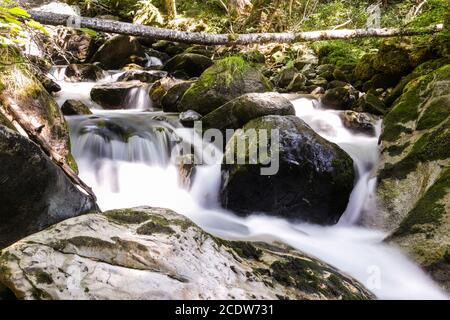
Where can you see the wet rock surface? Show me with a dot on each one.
(151, 253)
(313, 182)
(34, 193)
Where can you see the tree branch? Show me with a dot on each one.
(225, 39)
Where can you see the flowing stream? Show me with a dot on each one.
(128, 158)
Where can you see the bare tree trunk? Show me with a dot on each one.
(224, 39)
(171, 7)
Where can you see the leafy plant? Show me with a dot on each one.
(13, 22)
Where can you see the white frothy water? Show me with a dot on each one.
(128, 165)
(137, 99)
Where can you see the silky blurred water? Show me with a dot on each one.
(129, 159)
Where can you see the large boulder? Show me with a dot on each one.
(121, 95)
(150, 254)
(285, 77)
(160, 89)
(24, 99)
(238, 112)
(172, 97)
(118, 52)
(227, 79)
(314, 178)
(34, 193)
(392, 59)
(84, 73)
(414, 172)
(340, 98)
(190, 63)
(371, 104)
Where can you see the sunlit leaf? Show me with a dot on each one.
(19, 12)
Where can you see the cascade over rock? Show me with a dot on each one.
(121, 95)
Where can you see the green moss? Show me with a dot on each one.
(338, 288)
(344, 167)
(156, 225)
(339, 53)
(447, 255)
(246, 250)
(298, 273)
(395, 150)
(85, 241)
(406, 109)
(421, 70)
(127, 216)
(437, 110)
(429, 209)
(72, 162)
(183, 224)
(432, 146)
(43, 277)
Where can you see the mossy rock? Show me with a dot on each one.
(191, 63)
(118, 52)
(415, 98)
(75, 107)
(392, 59)
(84, 73)
(414, 171)
(150, 76)
(227, 79)
(313, 181)
(340, 98)
(365, 70)
(371, 104)
(237, 112)
(36, 105)
(172, 97)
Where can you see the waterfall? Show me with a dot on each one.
(128, 158)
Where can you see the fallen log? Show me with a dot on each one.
(221, 39)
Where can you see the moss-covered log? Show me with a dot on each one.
(222, 39)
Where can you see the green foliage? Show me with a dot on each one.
(121, 8)
(339, 52)
(13, 21)
(329, 14)
(148, 13)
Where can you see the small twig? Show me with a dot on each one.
(342, 24)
